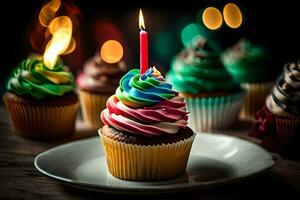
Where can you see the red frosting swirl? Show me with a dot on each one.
(166, 117)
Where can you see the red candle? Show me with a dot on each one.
(143, 45)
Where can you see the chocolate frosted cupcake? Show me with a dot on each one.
(212, 96)
(145, 136)
(40, 101)
(96, 83)
(249, 65)
(278, 123)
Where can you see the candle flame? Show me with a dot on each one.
(111, 51)
(61, 30)
(141, 20)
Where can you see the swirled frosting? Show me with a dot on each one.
(100, 77)
(145, 104)
(285, 98)
(198, 69)
(247, 62)
(144, 90)
(31, 78)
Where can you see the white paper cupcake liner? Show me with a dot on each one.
(214, 113)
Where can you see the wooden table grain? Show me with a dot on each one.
(20, 180)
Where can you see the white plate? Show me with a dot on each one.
(215, 159)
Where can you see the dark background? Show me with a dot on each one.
(269, 23)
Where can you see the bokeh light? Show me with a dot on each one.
(212, 18)
(52, 17)
(48, 12)
(111, 51)
(71, 47)
(60, 41)
(232, 15)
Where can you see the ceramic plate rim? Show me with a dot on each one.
(147, 188)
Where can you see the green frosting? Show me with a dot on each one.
(31, 78)
(247, 62)
(198, 69)
(140, 90)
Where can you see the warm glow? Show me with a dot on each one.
(60, 41)
(232, 15)
(141, 20)
(71, 47)
(212, 18)
(48, 12)
(111, 51)
(59, 23)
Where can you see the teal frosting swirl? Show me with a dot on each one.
(247, 62)
(140, 90)
(31, 78)
(198, 69)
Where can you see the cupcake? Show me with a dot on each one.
(41, 101)
(249, 65)
(212, 96)
(145, 136)
(278, 122)
(96, 83)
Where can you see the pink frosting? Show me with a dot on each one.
(166, 117)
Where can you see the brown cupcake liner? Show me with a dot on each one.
(91, 107)
(288, 134)
(151, 162)
(38, 121)
(256, 94)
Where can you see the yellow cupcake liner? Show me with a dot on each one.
(151, 162)
(91, 107)
(256, 94)
(41, 122)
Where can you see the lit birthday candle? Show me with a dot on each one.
(143, 45)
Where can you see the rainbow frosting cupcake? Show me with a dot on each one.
(41, 101)
(96, 83)
(278, 122)
(212, 96)
(145, 135)
(249, 64)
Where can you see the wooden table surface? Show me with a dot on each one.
(20, 180)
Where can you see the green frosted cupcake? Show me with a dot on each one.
(212, 96)
(248, 64)
(41, 101)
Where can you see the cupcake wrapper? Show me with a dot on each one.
(288, 136)
(91, 107)
(215, 113)
(140, 162)
(256, 94)
(42, 122)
